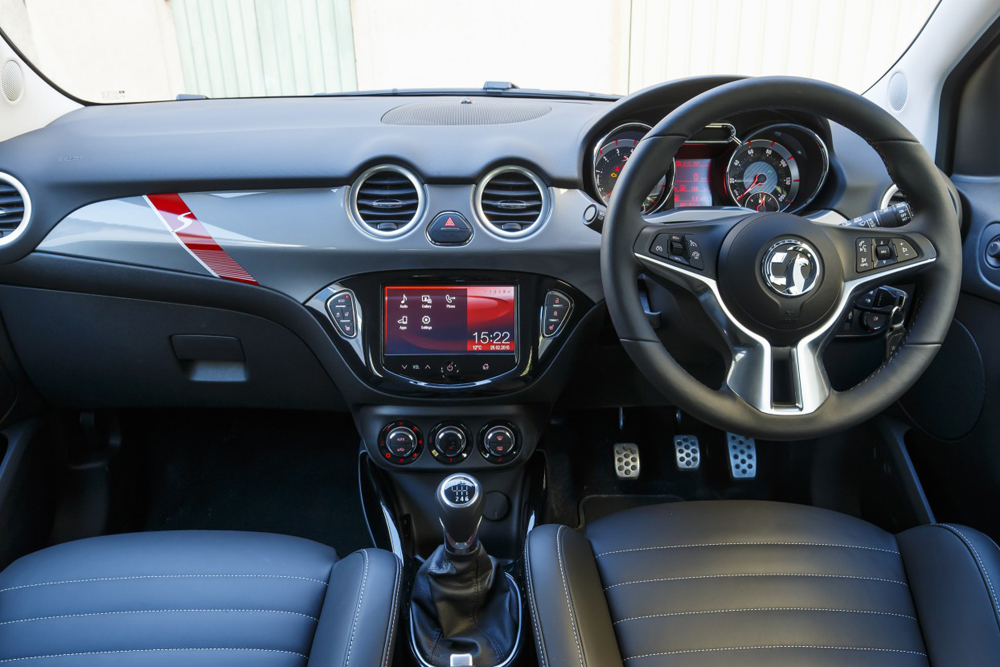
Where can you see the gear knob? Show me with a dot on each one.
(461, 499)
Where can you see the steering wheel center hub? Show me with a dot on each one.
(791, 268)
(780, 275)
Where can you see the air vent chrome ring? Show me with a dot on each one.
(369, 227)
(529, 227)
(22, 225)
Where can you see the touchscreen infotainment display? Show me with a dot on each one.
(451, 320)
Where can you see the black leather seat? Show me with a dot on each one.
(756, 583)
(198, 598)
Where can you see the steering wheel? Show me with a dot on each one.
(775, 285)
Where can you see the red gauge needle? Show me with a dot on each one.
(752, 186)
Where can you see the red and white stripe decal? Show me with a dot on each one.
(191, 234)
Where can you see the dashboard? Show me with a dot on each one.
(412, 259)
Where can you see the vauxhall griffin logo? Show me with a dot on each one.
(791, 267)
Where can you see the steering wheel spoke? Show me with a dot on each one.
(686, 250)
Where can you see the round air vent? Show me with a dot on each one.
(512, 202)
(15, 208)
(386, 200)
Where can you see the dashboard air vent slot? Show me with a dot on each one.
(512, 201)
(387, 200)
(15, 208)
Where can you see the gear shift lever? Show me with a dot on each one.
(461, 499)
(464, 610)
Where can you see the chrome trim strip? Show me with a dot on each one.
(887, 197)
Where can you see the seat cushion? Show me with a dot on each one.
(756, 583)
(198, 598)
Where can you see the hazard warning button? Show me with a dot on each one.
(449, 228)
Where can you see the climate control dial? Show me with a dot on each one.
(450, 442)
(400, 442)
(499, 442)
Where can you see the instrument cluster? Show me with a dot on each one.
(776, 167)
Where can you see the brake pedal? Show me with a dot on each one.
(743, 463)
(687, 452)
(627, 460)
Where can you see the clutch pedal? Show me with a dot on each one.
(627, 460)
(687, 452)
(743, 463)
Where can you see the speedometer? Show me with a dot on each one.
(763, 175)
(610, 157)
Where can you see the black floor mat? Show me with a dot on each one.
(289, 473)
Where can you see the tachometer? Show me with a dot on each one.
(610, 157)
(763, 175)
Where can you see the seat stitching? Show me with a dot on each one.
(569, 603)
(149, 650)
(393, 613)
(761, 574)
(357, 609)
(982, 566)
(535, 620)
(759, 648)
(157, 611)
(748, 544)
(162, 576)
(754, 609)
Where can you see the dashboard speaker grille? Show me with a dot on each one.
(898, 90)
(467, 111)
(386, 200)
(15, 208)
(12, 81)
(512, 201)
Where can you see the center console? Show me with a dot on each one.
(456, 364)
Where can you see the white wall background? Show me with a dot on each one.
(128, 50)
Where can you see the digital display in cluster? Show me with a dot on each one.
(691, 182)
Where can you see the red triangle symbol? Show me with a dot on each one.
(449, 223)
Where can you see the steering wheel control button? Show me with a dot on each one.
(876, 253)
(342, 307)
(450, 442)
(865, 262)
(742, 456)
(687, 452)
(555, 312)
(681, 248)
(791, 268)
(626, 458)
(400, 442)
(449, 228)
(499, 442)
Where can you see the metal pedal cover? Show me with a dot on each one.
(687, 451)
(742, 456)
(627, 460)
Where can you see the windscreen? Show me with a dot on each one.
(137, 50)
